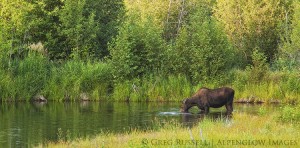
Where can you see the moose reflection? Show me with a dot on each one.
(188, 119)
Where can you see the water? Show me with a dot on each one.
(27, 124)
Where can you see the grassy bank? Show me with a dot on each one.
(37, 75)
(277, 86)
(243, 130)
(70, 80)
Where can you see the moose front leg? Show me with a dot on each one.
(206, 109)
(201, 109)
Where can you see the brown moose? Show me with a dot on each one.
(206, 98)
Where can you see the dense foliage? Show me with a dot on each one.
(63, 48)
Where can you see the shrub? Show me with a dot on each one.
(258, 71)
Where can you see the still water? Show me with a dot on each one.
(28, 124)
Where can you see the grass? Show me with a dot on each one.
(153, 88)
(36, 75)
(243, 130)
(290, 114)
(277, 85)
(75, 77)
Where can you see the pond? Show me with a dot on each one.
(28, 124)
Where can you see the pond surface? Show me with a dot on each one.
(28, 124)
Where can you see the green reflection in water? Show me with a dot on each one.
(27, 124)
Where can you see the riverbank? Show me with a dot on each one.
(74, 80)
(243, 130)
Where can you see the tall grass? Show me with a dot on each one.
(36, 75)
(153, 88)
(7, 88)
(22, 79)
(69, 80)
(277, 85)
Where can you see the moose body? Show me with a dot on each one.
(206, 98)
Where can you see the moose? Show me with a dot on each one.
(205, 98)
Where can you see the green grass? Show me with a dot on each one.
(37, 75)
(24, 78)
(278, 85)
(75, 77)
(243, 130)
(153, 88)
(290, 114)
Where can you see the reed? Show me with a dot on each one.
(24, 78)
(73, 78)
(153, 88)
(36, 75)
(277, 86)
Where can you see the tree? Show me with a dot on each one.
(290, 51)
(77, 31)
(44, 22)
(252, 24)
(14, 28)
(109, 14)
(202, 50)
(82, 26)
(138, 48)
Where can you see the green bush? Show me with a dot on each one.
(259, 69)
(201, 50)
(137, 50)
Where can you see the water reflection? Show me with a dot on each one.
(27, 124)
(192, 119)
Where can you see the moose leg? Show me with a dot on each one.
(201, 109)
(206, 109)
(229, 108)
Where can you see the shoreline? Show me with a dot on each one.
(221, 133)
(238, 101)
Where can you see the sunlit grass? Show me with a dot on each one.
(243, 130)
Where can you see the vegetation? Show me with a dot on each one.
(260, 131)
(133, 50)
(255, 24)
(126, 50)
